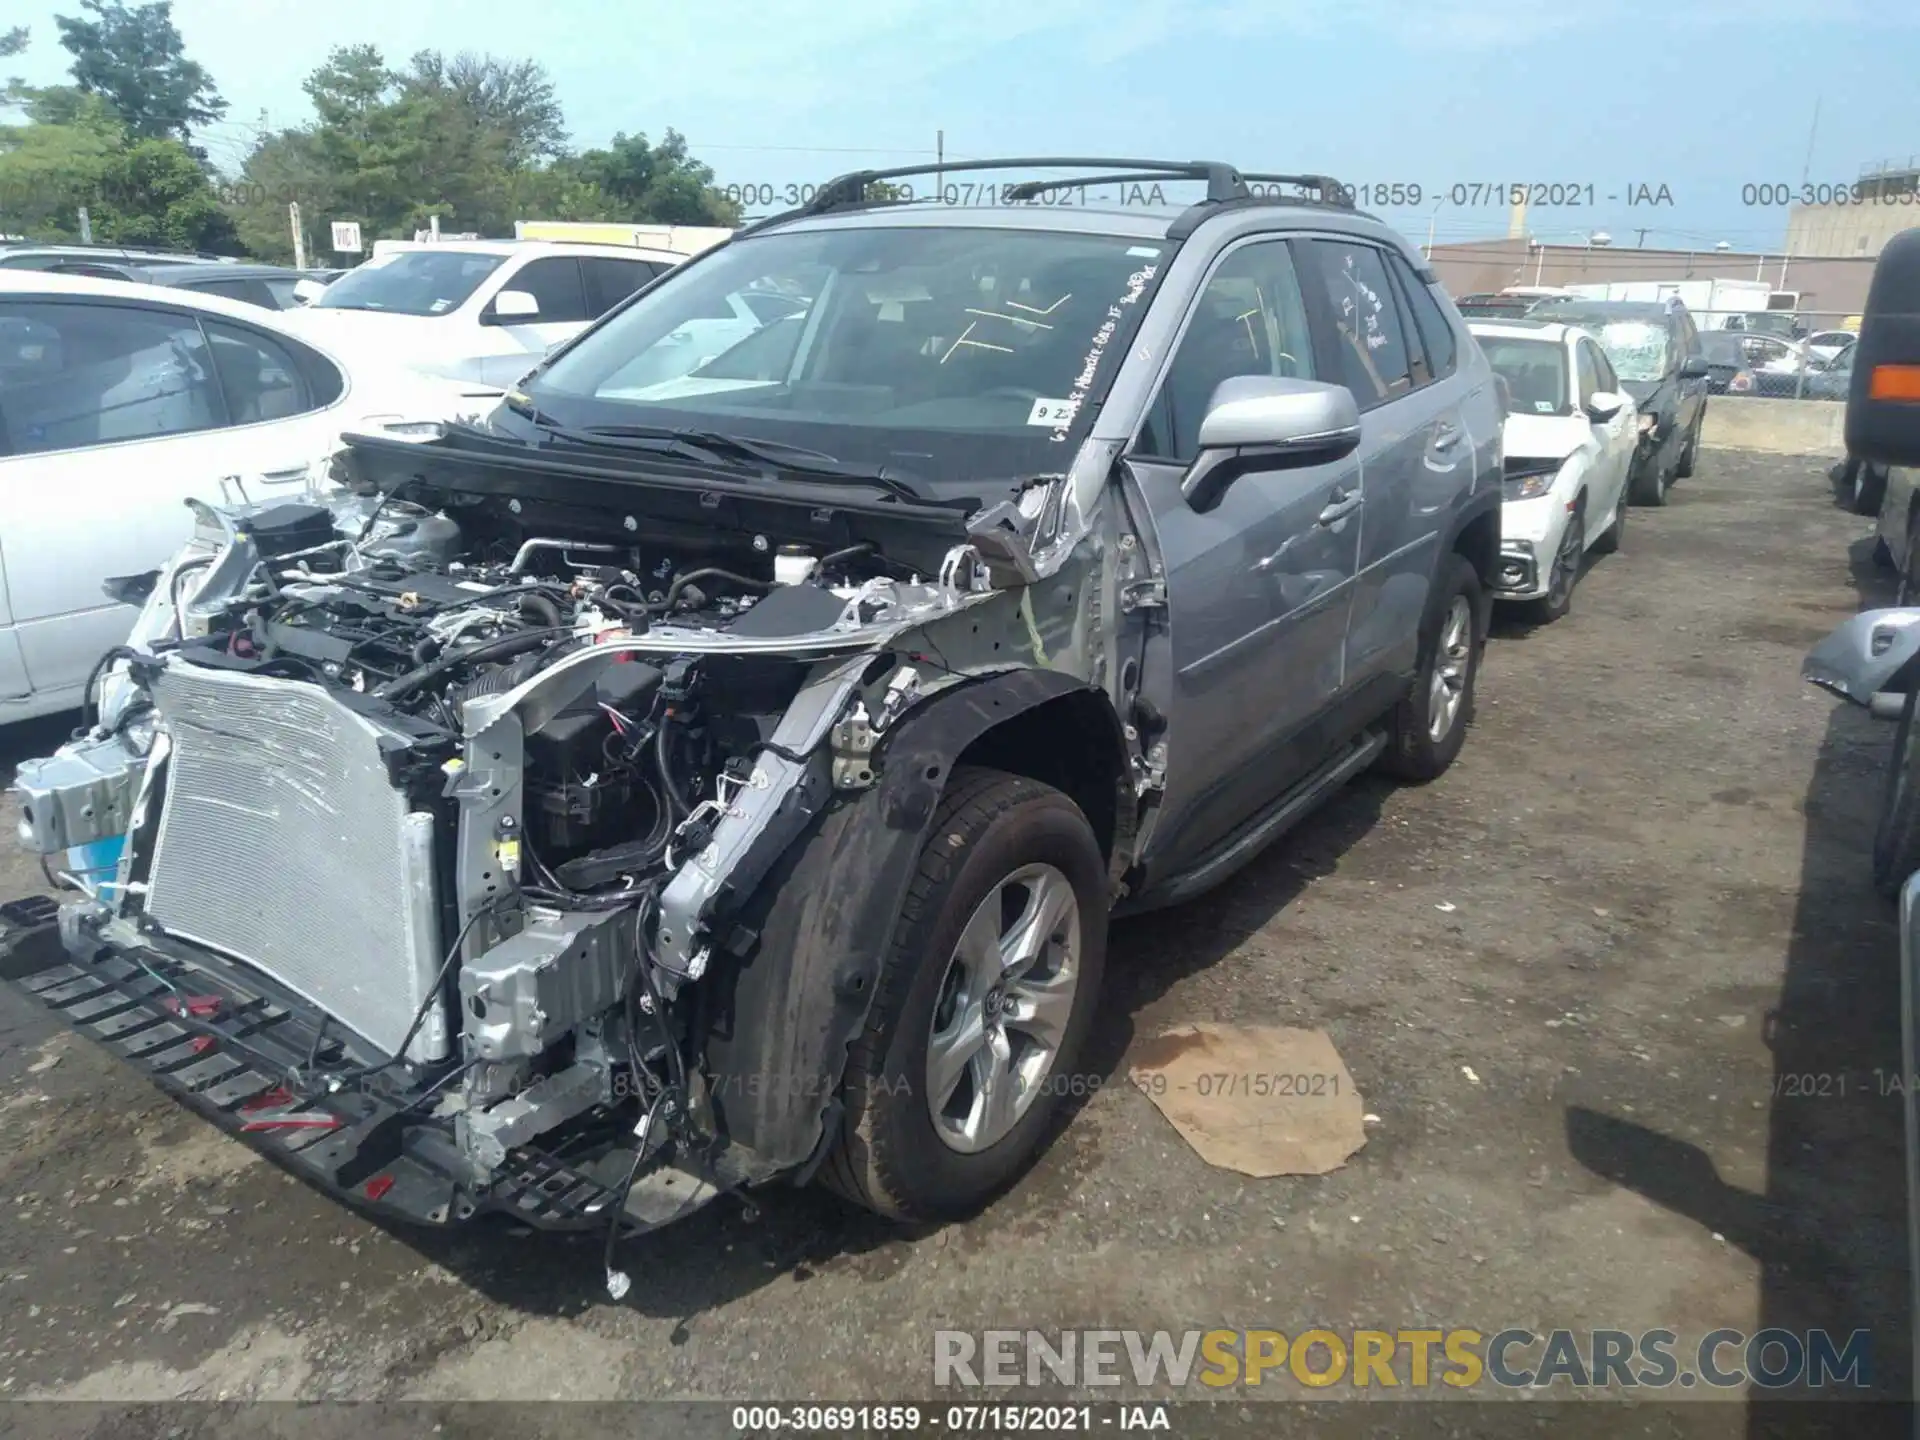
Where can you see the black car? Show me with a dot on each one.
(1656, 352)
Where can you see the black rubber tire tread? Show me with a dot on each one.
(1648, 486)
(860, 1167)
(1684, 469)
(1411, 753)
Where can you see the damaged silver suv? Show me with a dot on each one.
(718, 766)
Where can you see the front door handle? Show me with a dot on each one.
(1446, 437)
(1340, 504)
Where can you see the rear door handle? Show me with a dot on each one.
(1446, 437)
(1341, 504)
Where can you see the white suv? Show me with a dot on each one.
(482, 311)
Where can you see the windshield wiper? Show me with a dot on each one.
(733, 451)
(788, 460)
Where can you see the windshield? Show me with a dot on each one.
(954, 354)
(411, 282)
(1637, 348)
(1535, 372)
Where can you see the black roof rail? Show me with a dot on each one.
(1321, 190)
(849, 191)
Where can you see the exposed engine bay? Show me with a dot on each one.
(444, 821)
(471, 801)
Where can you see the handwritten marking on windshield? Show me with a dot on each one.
(973, 344)
(1036, 310)
(1012, 319)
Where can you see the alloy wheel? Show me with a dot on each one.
(1452, 657)
(1003, 1008)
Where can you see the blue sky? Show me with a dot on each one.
(1701, 96)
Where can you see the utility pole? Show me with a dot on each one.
(939, 165)
(299, 240)
(1806, 170)
(1641, 243)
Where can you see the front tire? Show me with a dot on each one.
(1896, 839)
(983, 1007)
(1650, 481)
(1430, 725)
(1565, 572)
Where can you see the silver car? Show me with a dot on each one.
(694, 779)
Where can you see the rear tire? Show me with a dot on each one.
(1867, 488)
(1691, 455)
(1452, 639)
(895, 1155)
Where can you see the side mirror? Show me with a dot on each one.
(1269, 422)
(511, 305)
(306, 290)
(1883, 400)
(1695, 368)
(1604, 405)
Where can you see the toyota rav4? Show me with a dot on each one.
(719, 765)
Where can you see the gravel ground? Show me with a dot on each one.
(1636, 911)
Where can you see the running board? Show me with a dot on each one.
(1286, 812)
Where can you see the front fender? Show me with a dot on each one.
(793, 984)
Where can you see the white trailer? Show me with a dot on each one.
(1711, 302)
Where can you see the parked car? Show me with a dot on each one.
(1569, 438)
(30, 255)
(120, 402)
(1056, 561)
(1656, 352)
(481, 311)
(1832, 380)
(1827, 344)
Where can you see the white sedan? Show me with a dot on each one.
(119, 403)
(1569, 439)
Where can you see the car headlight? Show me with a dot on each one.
(1529, 479)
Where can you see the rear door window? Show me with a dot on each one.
(610, 280)
(1368, 342)
(94, 374)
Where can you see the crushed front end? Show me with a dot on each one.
(421, 841)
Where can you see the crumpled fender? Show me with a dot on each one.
(1867, 654)
(792, 985)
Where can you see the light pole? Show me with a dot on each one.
(1431, 221)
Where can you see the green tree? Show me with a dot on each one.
(13, 41)
(133, 57)
(658, 184)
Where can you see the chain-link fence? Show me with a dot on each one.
(1778, 354)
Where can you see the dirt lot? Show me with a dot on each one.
(1636, 911)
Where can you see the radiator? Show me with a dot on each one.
(282, 844)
